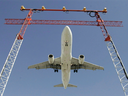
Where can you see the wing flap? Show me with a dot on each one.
(91, 66)
(42, 65)
(85, 65)
(45, 65)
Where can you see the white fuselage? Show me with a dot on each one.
(66, 55)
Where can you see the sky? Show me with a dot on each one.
(42, 40)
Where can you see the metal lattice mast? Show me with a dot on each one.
(9, 63)
(118, 64)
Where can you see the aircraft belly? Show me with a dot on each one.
(65, 62)
(65, 68)
(65, 77)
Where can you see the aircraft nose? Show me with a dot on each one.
(67, 31)
(66, 27)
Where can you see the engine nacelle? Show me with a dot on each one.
(50, 59)
(81, 59)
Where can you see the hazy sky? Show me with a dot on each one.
(42, 40)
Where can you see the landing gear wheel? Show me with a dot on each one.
(75, 71)
(55, 70)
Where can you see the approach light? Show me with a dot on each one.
(84, 9)
(43, 8)
(63, 8)
(22, 7)
(105, 9)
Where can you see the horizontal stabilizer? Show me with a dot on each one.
(70, 85)
(61, 85)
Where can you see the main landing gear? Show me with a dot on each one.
(75, 70)
(56, 70)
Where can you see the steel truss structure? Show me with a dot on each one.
(64, 22)
(9, 63)
(7, 68)
(118, 64)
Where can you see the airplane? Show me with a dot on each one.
(66, 62)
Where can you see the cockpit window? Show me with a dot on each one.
(66, 43)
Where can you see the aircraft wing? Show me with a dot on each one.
(85, 65)
(45, 65)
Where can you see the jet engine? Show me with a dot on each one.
(50, 59)
(81, 59)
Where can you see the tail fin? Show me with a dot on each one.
(61, 85)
